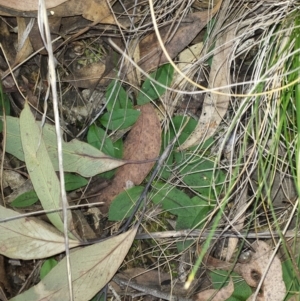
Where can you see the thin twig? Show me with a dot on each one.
(150, 291)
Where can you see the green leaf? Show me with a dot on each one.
(79, 157)
(96, 136)
(117, 97)
(40, 168)
(4, 105)
(178, 122)
(123, 204)
(73, 182)
(150, 90)
(173, 200)
(242, 290)
(119, 119)
(290, 278)
(198, 218)
(47, 266)
(25, 199)
(200, 175)
(195, 221)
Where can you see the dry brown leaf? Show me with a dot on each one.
(150, 51)
(273, 288)
(142, 143)
(215, 105)
(94, 10)
(28, 5)
(218, 295)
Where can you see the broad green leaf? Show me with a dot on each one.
(123, 204)
(92, 268)
(199, 175)
(47, 266)
(178, 122)
(40, 168)
(119, 119)
(25, 199)
(196, 220)
(96, 136)
(117, 97)
(79, 157)
(242, 290)
(28, 237)
(173, 200)
(150, 90)
(73, 182)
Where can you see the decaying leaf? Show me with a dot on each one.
(273, 288)
(216, 295)
(27, 5)
(215, 105)
(142, 143)
(28, 237)
(94, 10)
(150, 51)
(79, 157)
(91, 268)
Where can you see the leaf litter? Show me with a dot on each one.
(212, 116)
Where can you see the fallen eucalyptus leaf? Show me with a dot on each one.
(91, 269)
(79, 157)
(40, 168)
(28, 237)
